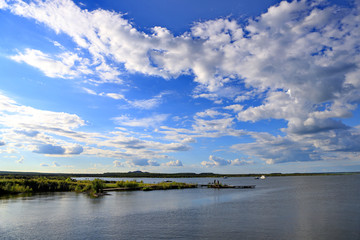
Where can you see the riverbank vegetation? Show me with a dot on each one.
(135, 185)
(95, 187)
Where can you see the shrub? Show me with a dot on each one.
(97, 185)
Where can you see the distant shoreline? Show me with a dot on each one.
(139, 174)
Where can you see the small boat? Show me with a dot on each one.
(262, 177)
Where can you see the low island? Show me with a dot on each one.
(95, 188)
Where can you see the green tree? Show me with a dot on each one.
(97, 185)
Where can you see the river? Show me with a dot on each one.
(297, 207)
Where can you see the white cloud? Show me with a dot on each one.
(117, 163)
(144, 162)
(153, 121)
(49, 149)
(218, 162)
(3, 4)
(211, 113)
(56, 134)
(148, 103)
(115, 96)
(175, 163)
(19, 116)
(264, 53)
(55, 164)
(76, 149)
(89, 91)
(239, 162)
(215, 161)
(234, 107)
(21, 160)
(300, 59)
(65, 65)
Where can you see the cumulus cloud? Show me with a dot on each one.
(28, 133)
(240, 162)
(234, 107)
(214, 161)
(3, 4)
(319, 40)
(153, 163)
(49, 149)
(300, 59)
(144, 162)
(278, 150)
(175, 163)
(218, 162)
(211, 113)
(77, 149)
(308, 147)
(117, 163)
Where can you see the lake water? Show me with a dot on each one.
(312, 207)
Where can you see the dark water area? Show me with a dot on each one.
(310, 207)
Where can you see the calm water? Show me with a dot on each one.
(320, 207)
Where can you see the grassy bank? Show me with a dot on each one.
(42, 184)
(135, 185)
(94, 188)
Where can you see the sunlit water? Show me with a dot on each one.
(319, 207)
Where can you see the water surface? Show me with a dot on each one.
(311, 207)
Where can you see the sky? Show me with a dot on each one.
(231, 86)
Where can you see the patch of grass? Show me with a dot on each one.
(134, 185)
(42, 184)
(94, 188)
(129, 184)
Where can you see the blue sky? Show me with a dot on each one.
(179, 86)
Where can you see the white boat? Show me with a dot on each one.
(262, 177)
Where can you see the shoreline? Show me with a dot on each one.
(139, 174)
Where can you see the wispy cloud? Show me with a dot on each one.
(148, 103)
(55, 164)
(20, 160)
(116, 96)
(219, 162)
(153, 121)
(64, 65)
(56, 134)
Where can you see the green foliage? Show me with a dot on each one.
(97, 185)
(70, 180)
(43, 184)
(129, 184)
